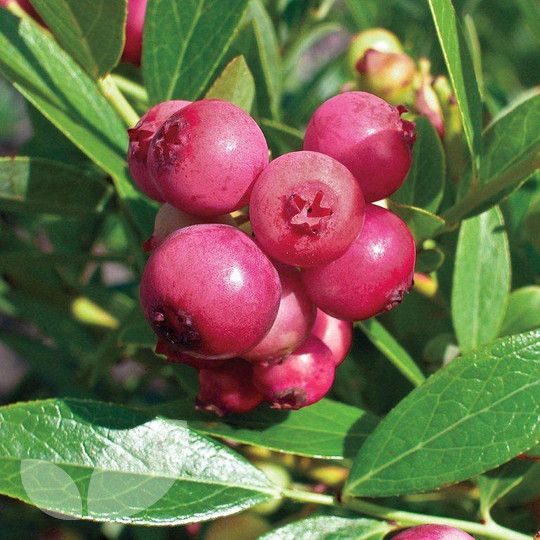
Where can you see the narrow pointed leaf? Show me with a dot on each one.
(387, 344)
(460, 68)
(523, 311)
(471, 416)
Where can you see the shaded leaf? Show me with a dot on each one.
(281, 138)
(523, 311)
(91, 31)
(424, 185)
(41, 185)
(185, 43)
(327, 429)
(387, 344)
(423, 224)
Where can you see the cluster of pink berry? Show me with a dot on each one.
(269, 317)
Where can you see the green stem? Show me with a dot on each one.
(120, 104)
(406, 519)
(130, 88)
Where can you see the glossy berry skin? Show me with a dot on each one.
(368, 136)
(134, 31)
(139, 142)
(170, 219)
(336, 334)
(372, 276)
(294, 320)
(228, 389)
(433, 532)
(306, 209)
(206, 157)
(209, 291)
(300, 379)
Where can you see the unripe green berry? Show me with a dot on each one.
(378, 39)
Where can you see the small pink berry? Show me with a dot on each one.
(205, 158)
(293, 322)
(368, 136)
(300, 379)
(136, 11)
(228, 389)
(170, 219)
(139, 142)
(306, 209)
(372, 276)
(336, 334)
(208, 290)
(433, 532)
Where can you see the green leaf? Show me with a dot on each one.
(104, 462)
(471, 416)
(424, 185)
(327, 429)
(68, 98)
(523, 311)
(184, 44)
(235, 84)
(481, 281)
(422, 223)
(281, 138)
(91, 31)
(429, 260)
(460, 68)
(266, 61)
(507, 160)
(40, 185)
(330, 528)
(387, 344)
(494, 485)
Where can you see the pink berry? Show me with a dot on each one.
(208, 290)
(293, 322)
(306, 209)
(433, 532)
(372, 276)
(205, 158)
(336, 334)
(302, 378)
(368, 136)
(170, 219)
(228, 389)
(139, 142)
(134, 31)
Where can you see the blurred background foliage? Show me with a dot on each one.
(70, 325)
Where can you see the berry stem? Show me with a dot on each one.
(120, 104)
(406, 519)
(130, 88)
